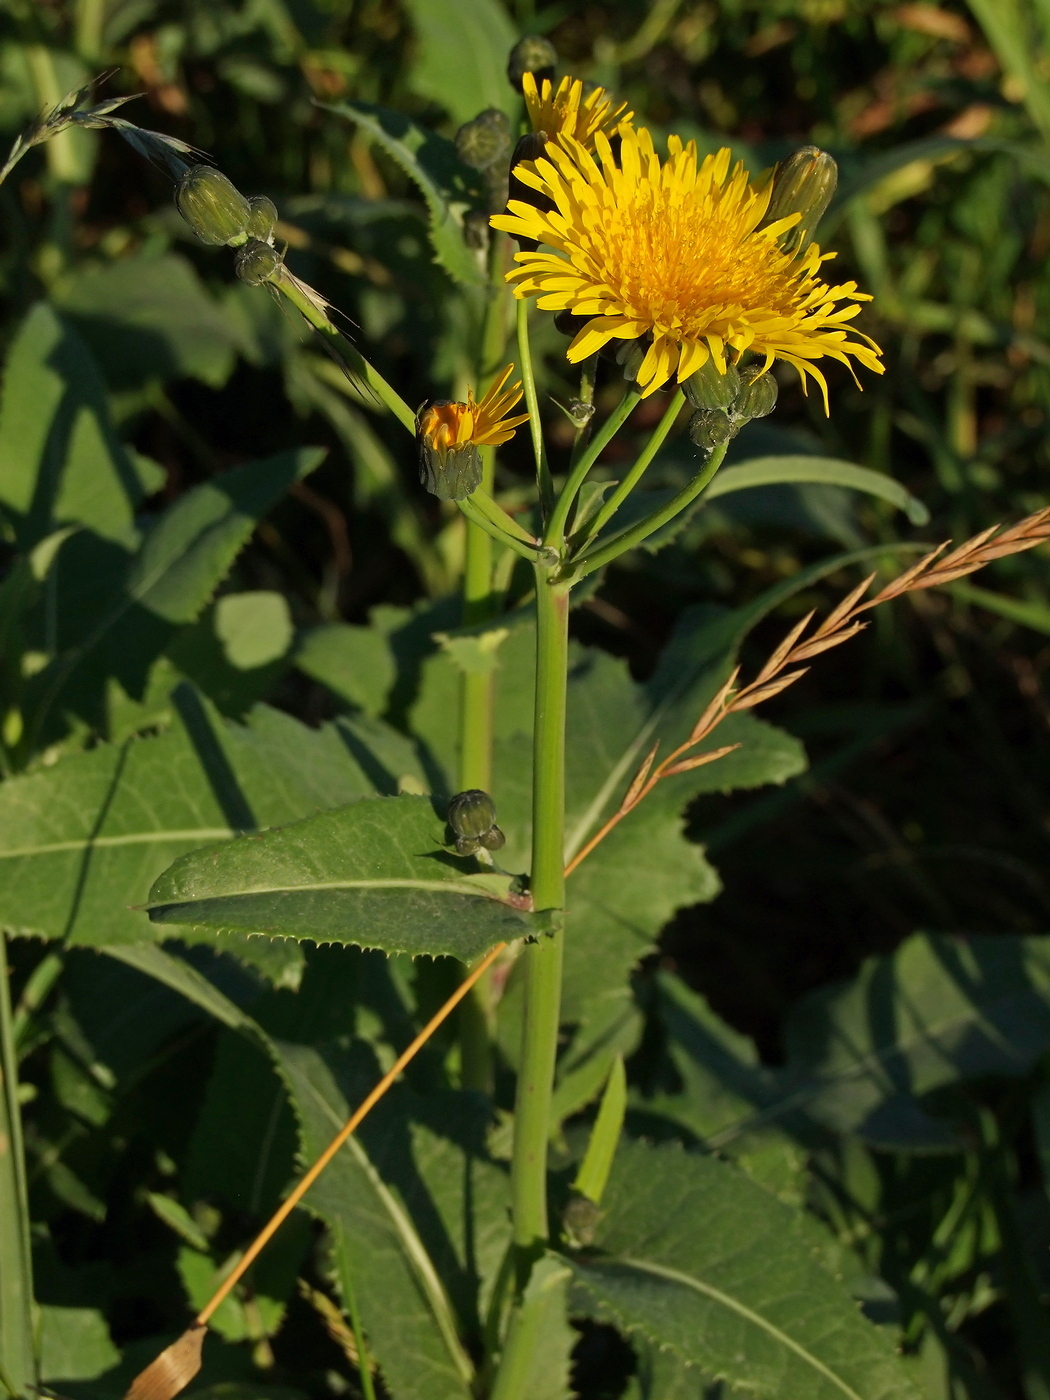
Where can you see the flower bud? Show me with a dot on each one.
(568, 323)
(452, 473)
(262, 220)
(257, 262)
(803, 184)
(530, 147)
(580, 1221)
(758, 395)
(485, 141)
(629, 357)
(709, 388)
(535, 55)
(213, 207)
(711, 428)
(472, 817)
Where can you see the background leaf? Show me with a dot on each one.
(735, 1291)
(461, 59)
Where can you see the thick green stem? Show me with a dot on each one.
(314, 312)
(528, 381)
(555, 535)
(627, 539)
(477, 516)
(17, 1354)
(631, 480)
(543, 959)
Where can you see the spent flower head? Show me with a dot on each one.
(674, 254)
(565, 110)
(450, 434)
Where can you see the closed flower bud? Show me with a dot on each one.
(530, 147)
(709, 388)
(803, 184)
(710, 428)
(758, 395)
(213, 207)
(262, 219)
(472, 813)
(472, 817)
(257, 262)
(535, 55)
(485, 141)
(569, 323)
(629, 356)
(452, 473)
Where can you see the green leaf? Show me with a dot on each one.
(82, 841)
(405, 1304)
(709, 1266)
(355, 663)
(593, 1175)
(75, 1344)
(237, 651)
(446, 184)
(17, 1356)
(374, 873)
(166, 583)
(937, 1011)
(822, 471)
(150, 318)
(60, 459)
(461, 58)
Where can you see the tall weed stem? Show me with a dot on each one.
(542, 959)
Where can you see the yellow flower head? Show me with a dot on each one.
(673, 251)
(443, 425)
(564, 111)
(450, 434)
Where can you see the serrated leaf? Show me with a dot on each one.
(150, 318)
(461, 62)
(446, 184)
(60, 459)
(121, 622)
(937, 1011)
(407, 1313)
(821, 471)
(374, 874)
(704, 1263)
(81, 842)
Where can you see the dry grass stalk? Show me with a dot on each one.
(844, 622)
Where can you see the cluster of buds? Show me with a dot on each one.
(484, 145)
(725, 402)
(472, 818)
(220, 215)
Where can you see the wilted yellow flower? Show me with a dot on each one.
(450, 434)
(564, 111)
(673, 252)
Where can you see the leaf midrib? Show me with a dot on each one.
(130, 838)
(394, 883)
(741, 1309)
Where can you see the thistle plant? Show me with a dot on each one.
(675, 276)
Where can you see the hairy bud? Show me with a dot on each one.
(472, 817)
(535, 55)
(485, 141)
(710, 428)
(709, 388)
(758, 395)
(803, 184)
(262, 220)
(257, 262)
(213, 207)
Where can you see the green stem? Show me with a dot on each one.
(292, 289)
(627, 539)
(631, 480)
(528, 380)
(542, 959)
(588, 374)
(555, 535)
(500, 518)
(477, 516)
(16, 1268)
